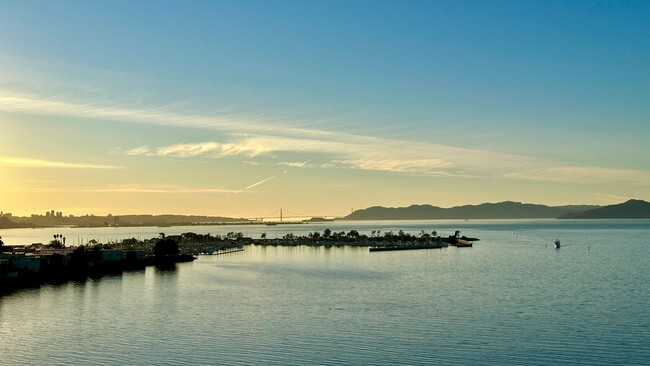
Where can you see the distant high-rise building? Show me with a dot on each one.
(52, 213)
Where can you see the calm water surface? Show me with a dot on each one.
(511, 299)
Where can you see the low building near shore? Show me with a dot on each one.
(112, 256)
(31, 263)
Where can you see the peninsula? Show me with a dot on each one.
(632, 209)
(33, 265)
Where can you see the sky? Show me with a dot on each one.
(240, 108)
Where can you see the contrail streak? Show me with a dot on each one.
(258, 183)
(255, 184)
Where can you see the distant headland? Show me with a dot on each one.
(632, 209)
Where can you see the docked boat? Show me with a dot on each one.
(460, 243)
(317, 220)
(557, 243)
(386, 248)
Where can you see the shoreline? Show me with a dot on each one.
(25, 266)
(59, 275)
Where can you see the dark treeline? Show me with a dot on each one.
(353, 237)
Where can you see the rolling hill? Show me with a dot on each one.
(632, 209)
(501, 210)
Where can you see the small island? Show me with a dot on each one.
(376, 241)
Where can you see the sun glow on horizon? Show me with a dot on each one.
(393, 113)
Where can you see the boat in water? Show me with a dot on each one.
(557, 243)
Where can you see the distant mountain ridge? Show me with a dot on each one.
(501, 210)
(632, 209)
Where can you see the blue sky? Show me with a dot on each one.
(359, 102)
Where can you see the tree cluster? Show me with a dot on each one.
(353, 236)
(165, 248)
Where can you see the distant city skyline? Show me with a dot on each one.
(239, 108)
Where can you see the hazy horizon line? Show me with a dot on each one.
(321, 215)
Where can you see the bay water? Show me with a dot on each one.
(510, 299)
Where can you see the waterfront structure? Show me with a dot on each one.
(30, 263)
(112, 256)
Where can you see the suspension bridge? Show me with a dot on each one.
(283, 215)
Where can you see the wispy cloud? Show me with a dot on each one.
(578, 174)
(252, 137)
(160, 190)
(140, 150)
(370, 153)
(10, 102)
(213, 149)
(423, 166)
(129, 189)
(296, 164)
(42, 163)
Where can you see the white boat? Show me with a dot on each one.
(557, 243)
